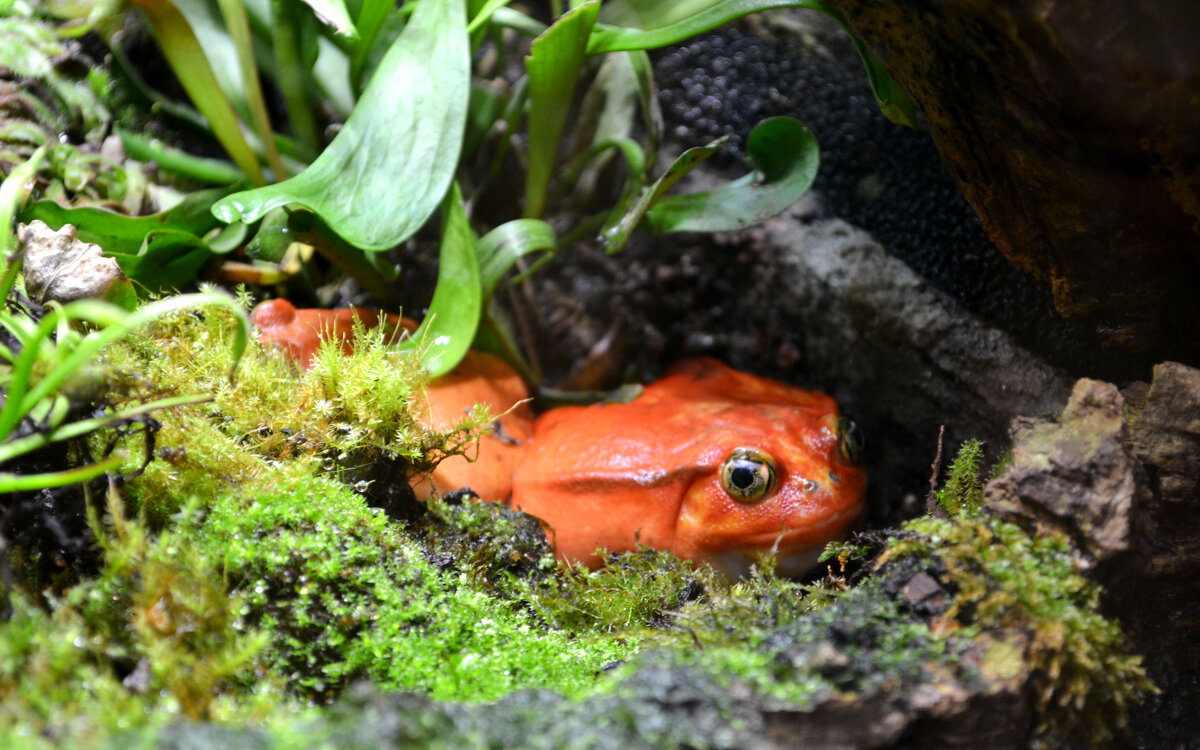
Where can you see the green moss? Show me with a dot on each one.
(343, 593)
(1007, 581)
(151, 639)
(355, 416)
(962, 494)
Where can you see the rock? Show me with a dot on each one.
(901, 357)
(1166, 436)
(1155, 594)
(1070, 127)
(1073, 474)
(60, 267)
(1123, 481)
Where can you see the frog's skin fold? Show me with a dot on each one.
(650, 471)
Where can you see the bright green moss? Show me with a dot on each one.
(343, 593)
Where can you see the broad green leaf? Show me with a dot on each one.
(553, 67)
(160, 252)
(390, 165)
(117, 233)
(893, 102)
(787, 158)
(627, 215)
(165, 261)
(500, 248)
(449, 327)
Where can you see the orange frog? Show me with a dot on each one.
(708, 462)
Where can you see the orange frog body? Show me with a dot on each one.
(300, 331)
(708, 462)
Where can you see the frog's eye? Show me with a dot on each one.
(748, 475)
(850, 441)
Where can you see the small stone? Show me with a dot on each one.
(59, 267)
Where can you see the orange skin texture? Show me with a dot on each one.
(299, 332)
(648, 471)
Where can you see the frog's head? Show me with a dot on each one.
(783, 480)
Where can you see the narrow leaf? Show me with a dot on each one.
(787, 158)
(503, 246)
(449, 327)
(333, 13)
(616, 232)
(187, 59)
(553, 68)
(615, 38)
(388, 168)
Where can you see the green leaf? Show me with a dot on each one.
(892, 100)
(168, 159)
(160, 252)
(449, 327)
(615, 39)
(787, 158)
(503, 246)
(165, 261)
(333, 13)
(553, 67)
(120, 234)
(388, 168)
(186, 57)
(14, 191)
(485, 13)
(625, 218)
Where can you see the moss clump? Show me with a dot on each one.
(149, 640)
(357, 415)
(343, 593)
(1005, 580)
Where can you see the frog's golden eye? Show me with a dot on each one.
(850, 441)
(748, 475)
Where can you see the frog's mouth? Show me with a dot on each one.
(796, 550)
(736, 563)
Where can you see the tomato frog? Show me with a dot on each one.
(708, 462)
